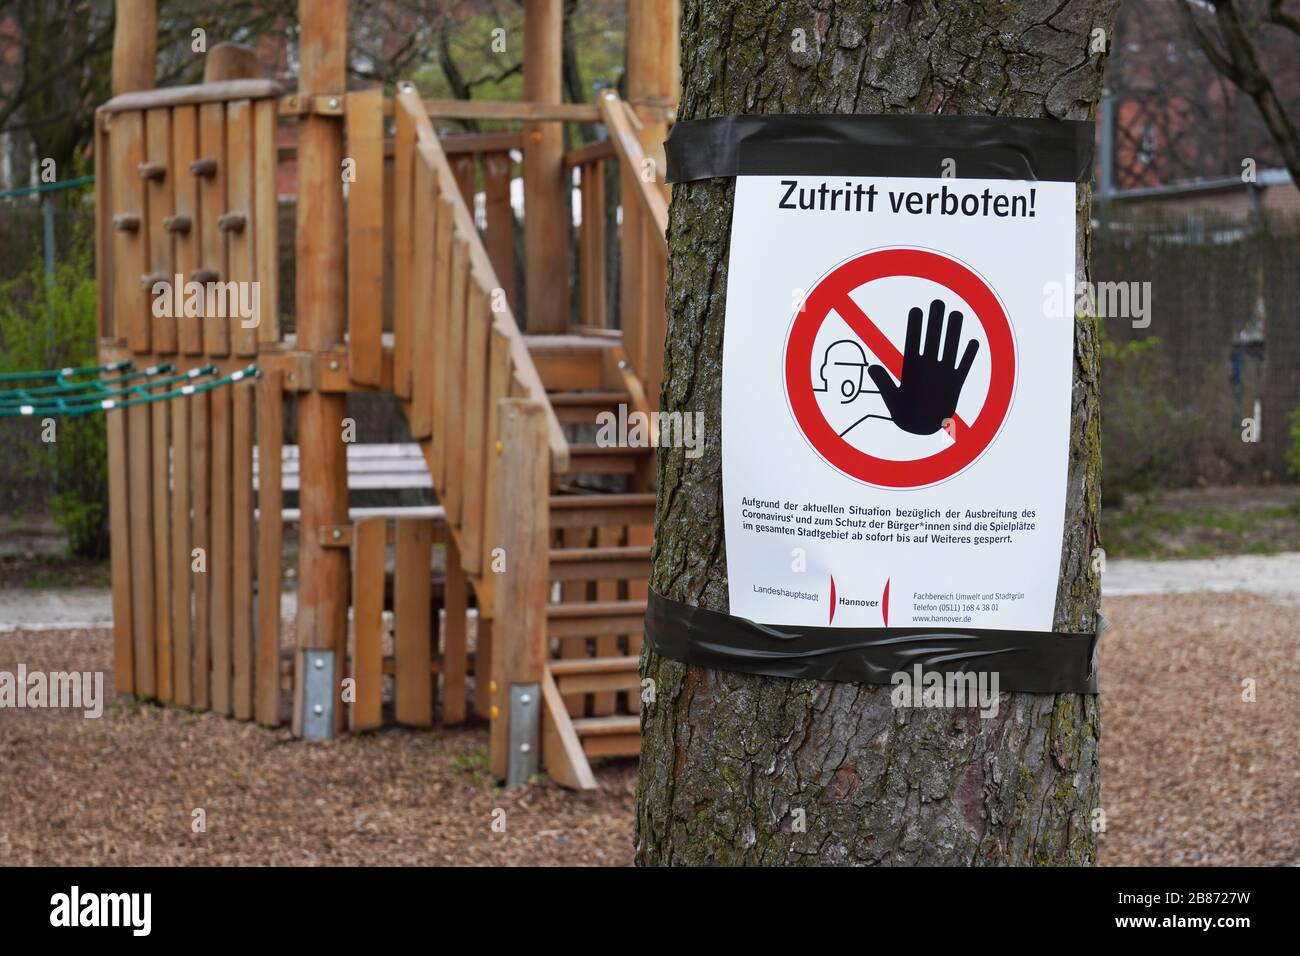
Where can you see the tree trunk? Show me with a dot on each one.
(728, 759)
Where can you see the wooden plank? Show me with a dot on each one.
(462, 168)
(474, 422)
(483, 667)
(562, 753)
(200, 551)
(119, 529)
(574, 592)
(606, 644)
(454, 633)
(420, 278)
(240, 254)
(195, 93)
(368, 547)
(404, 160)
(455, 143)
(499, 375)
(162, 555)
(158, 200)
(500, 236)
(600, 684)
(519, 646)
(454, 371)
(630, 293)
(270, 544)
(591, 253)
(591, 154)
(185, 206)
(266, 220)
(104, 232)
(220, 553)
(182, 652)
(140, 465)
(212, 204)
(412, 622)
(439, 356)
(131, 304)
(645, 194)
(241, 513)
(364, 118)
(513, 110)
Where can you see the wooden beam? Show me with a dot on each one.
(141, 549)
(321, 307)
(412, 623)
(201, 530)
(270, 542)
(562, 753)
(119, 530)
(551, 110)
(135, 40)
(519, 641)
(193, 95)
(230, 61)
(368, 622)
(454, 647)
(365, 214)
(241, 544)
(546, 209)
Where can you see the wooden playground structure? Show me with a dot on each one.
(520, 597)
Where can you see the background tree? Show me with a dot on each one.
(1237, 44)
(727, 758)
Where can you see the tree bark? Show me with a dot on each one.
(728, 759)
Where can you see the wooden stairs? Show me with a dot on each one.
(601, 520)
(601, 525)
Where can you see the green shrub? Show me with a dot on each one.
(1137, 437)
(52, 324)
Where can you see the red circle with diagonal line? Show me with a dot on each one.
(832, 294)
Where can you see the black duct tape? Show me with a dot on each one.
(1032, 661)
(982, 147)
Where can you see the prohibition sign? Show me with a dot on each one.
(831, 294)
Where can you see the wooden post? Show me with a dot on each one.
(652, 80)
(230, 61)
(133, 69)
(322, 571)
(546, 213)
(519, 637)
(135, 39)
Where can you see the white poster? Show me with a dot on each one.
(896, 400)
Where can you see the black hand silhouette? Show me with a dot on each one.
(927, 393)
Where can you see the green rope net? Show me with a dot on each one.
(71, 398)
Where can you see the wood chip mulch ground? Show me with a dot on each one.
(1191, 773)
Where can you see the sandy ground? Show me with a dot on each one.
(1275, 576)
(1191, 773)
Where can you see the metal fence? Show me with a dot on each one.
(1223, 345)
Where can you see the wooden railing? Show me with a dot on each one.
(645, 247)
(593, 272)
